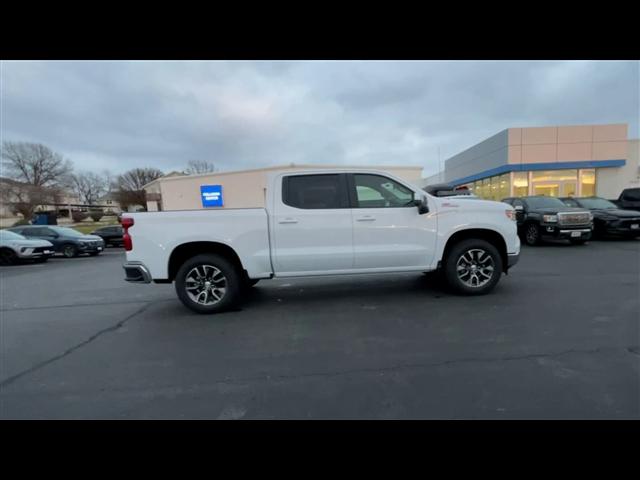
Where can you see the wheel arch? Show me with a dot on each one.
(185, 251)
(494, 237)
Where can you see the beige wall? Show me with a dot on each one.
(611, 181)
(567, 143)
(242, 189)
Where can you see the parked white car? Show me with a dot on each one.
(15, 247)
(317, 223)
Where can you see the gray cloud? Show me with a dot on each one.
(119, 115)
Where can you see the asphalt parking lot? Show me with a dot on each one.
(558, 338)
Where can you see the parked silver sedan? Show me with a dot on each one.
(14, 247)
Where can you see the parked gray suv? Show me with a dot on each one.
(65, 240)
(14, 247)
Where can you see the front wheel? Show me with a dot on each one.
(532, 234)
(208, 283)
(70, 251)
(7, 257)
(473, 267)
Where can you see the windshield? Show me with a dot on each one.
(67, 232)
(545, 202)
(7, 235)
(596, 202)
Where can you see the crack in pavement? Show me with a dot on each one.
(632, 349)
(69, 351)
(71, 305)
(174, 390)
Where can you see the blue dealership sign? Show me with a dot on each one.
(211, 195)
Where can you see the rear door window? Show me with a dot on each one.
(34, 232)
(631, 195)
(313, 192)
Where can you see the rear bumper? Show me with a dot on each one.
(136, 272)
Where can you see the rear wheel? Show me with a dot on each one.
(532, 234)
(208, 283)
(7, 256)
(70, 251)
(473, 267)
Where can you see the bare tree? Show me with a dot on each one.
(34, 163)
(130, 185)
(89, 186)
(199, 166)
(36, 173)
(24, 198)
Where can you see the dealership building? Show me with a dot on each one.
(580, 160)
(236, 189)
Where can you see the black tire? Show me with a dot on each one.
(532, 234)
(463, 249)
(232, 283)
(69, 251)
(7, 257)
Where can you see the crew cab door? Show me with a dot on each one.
(311, 224)
(388, 231)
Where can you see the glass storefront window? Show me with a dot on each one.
(486, 188)
(553, 175)
(554, 183)
(588, 182)
(550, 183)
(504, 186)
(520, 184)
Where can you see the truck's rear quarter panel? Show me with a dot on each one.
(156, 234)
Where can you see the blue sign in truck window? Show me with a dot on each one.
(211, 195)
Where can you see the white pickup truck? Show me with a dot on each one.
(317, 223)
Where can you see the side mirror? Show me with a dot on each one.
(421, 203)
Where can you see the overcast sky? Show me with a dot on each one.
(120, 115)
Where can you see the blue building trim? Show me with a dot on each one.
(525, 167)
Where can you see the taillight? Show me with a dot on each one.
(127, 222)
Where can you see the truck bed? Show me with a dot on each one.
(156, 234)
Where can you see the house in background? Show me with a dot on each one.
(109, 204)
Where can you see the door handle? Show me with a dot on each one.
(367, 218)
(288, 220)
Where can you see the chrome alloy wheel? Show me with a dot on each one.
(205, 284)
(532, 234)
(475, 267)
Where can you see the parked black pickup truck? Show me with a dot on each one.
(608, 219)
(629, 199)
(541, 217)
